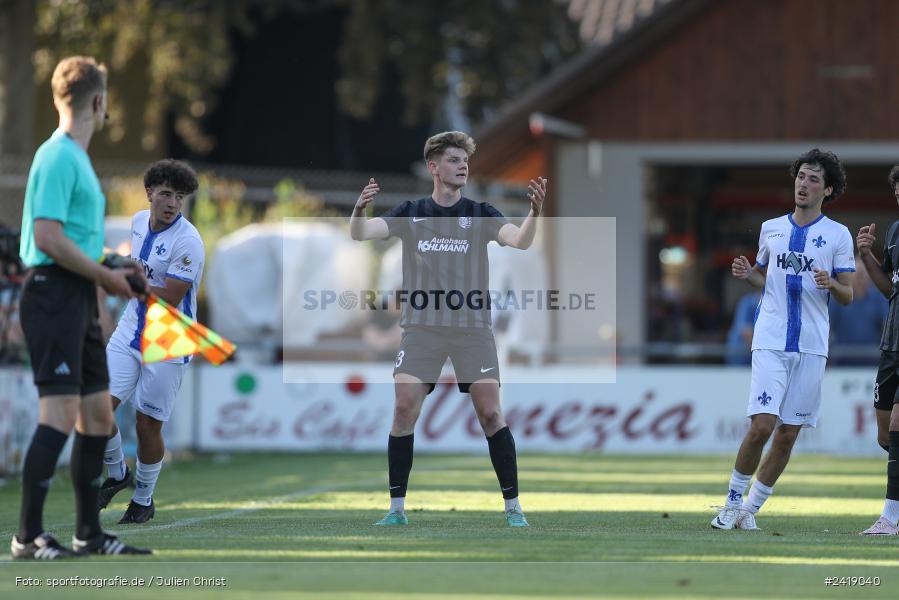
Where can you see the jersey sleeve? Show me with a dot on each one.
(54, 183)
(761, 259)
(494, 221)
(187, 260)
(887, 264)
(843, 255)
(397, 219)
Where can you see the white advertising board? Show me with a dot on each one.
(648, 410)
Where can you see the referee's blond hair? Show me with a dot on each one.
(76, 80)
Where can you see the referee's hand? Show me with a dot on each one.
(116, 282)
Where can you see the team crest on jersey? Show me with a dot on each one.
(797, 262)
(465, 222)
(160, 249)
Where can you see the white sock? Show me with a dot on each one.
(891, 511)
(512, 504)
(398, 504)
(757, 496)
(736, 488)
(114, 457)
(145, 477)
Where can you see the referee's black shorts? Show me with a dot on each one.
(60, 318)
(424, 350)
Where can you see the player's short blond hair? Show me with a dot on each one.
(437, 144)
(76, 79)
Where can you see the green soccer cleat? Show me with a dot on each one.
(515, 518)
(394, 518)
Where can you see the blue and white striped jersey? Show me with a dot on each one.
(792, 313)
(175, 252)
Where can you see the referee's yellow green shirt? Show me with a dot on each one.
(62, 186)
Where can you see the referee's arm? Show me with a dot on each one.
(52, 241)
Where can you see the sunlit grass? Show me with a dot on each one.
(640, 525)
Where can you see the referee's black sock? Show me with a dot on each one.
(40, 464)
(502, 455)
(893, 467)
(399, 463)
(87, 467)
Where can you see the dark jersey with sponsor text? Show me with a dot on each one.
(445, 268)
(889, 341)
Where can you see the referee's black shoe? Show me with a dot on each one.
(111, 487)
(138, 513)
(107, 544)
(43, 547)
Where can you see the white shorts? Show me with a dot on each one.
(786, 384)
(150, 388)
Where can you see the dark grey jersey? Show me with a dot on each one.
(446, 281)
(889, 341)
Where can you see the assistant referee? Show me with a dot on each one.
(62, 245)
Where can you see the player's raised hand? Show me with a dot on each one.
(823, 280)
(368, 194)
(865, 239)
(537, 194)
(740, 268)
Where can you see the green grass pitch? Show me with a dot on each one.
(300, 526)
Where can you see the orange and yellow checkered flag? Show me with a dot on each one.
(169, 333)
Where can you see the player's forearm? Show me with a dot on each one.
(877, 275)
(357, 224)
(841, 293)
(756, 278)
(171, 296)
(65, 253)
(527, 232)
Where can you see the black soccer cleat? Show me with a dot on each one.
(111, 487)
(106, 544)
(138, 513)
(43, 547)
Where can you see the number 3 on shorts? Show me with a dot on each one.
(399, 358)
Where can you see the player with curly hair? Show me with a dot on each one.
(171, 253)
(804, 258)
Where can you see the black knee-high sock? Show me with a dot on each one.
(502, 455)
(893, 467)
(399, 463)
(87, 466)
(40, 464)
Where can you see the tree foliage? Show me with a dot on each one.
(483, 53)
(181, 49)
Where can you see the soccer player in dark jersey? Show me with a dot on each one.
(886, 387)
(446, 310)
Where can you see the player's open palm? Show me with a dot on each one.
(865, 239)
(740, 267)
(537, 194)
(368, 194)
